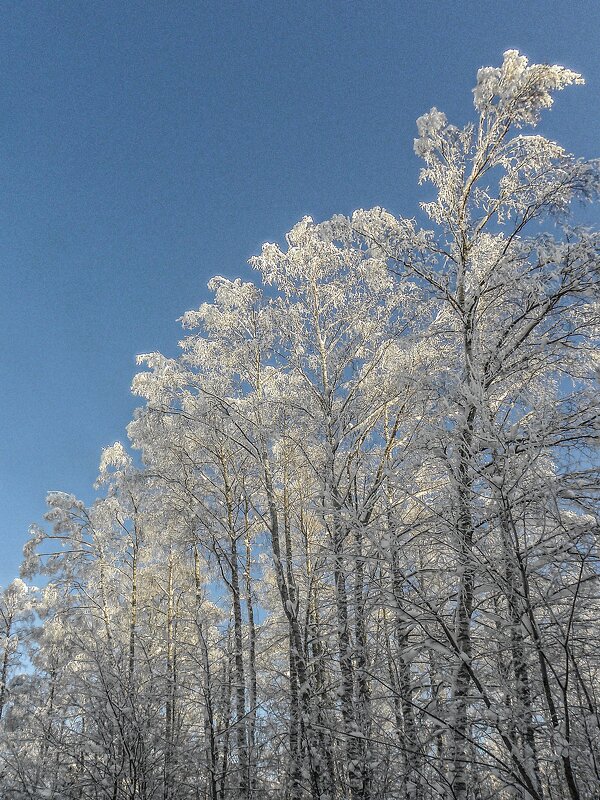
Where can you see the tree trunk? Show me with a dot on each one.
(210, 747)
(252, 689)
(459, 732)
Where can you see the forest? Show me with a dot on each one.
(350, 548)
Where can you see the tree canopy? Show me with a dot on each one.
(355, 551)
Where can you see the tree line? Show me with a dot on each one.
(354, 554)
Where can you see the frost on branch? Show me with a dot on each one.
(538, 178)
(518, 91)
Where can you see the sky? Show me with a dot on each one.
(145, 147)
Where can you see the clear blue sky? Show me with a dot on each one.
(147, 146)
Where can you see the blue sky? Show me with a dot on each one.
(147, 146)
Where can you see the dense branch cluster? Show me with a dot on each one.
(358, 554)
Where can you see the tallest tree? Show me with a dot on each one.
(515, 292)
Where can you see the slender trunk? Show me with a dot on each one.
(238, 641)
(394, 685)
(410, 741)
(240, 679)
(351, 730)
(403, 700)
(225, 722)
(363, 692)
(210, 747)
(459, 735)
(295, 791)
(520, 667)
(170, 685)
(295, 733)
(5, 659)
(338, 535)
(252, 688)
(132, 617)
(322, 763)
(290, 609)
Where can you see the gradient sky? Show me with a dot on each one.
(147, 146)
